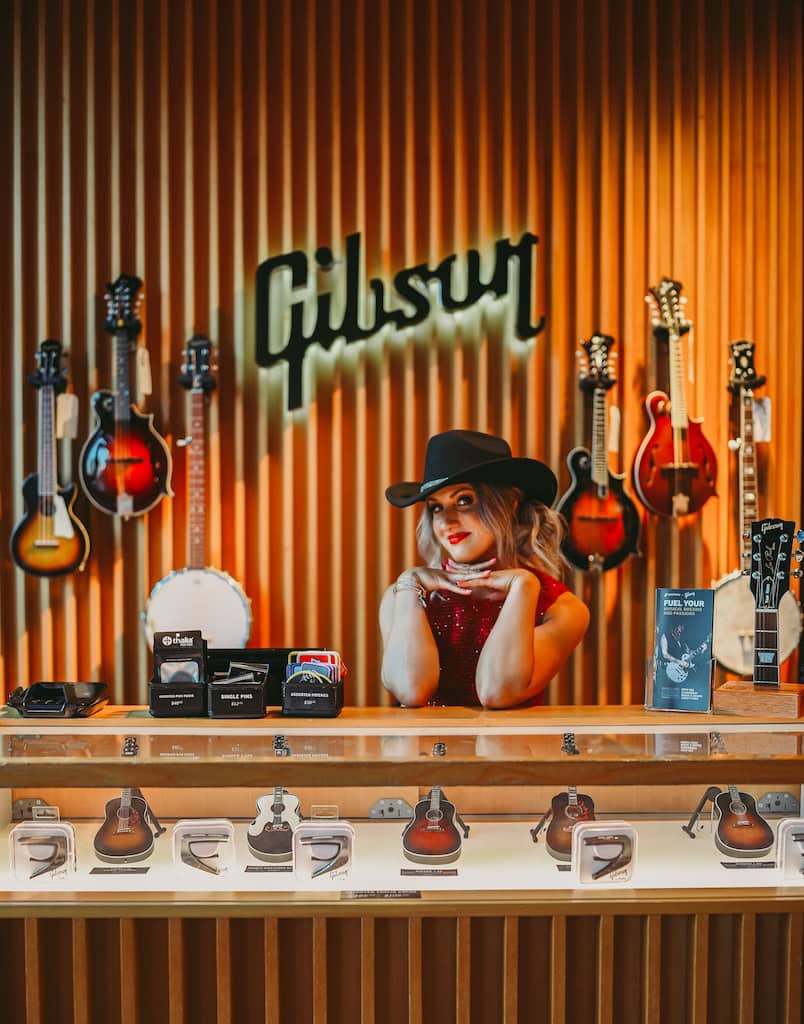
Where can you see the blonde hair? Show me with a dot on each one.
(527, 534)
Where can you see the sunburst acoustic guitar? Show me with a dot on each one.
(49, 539)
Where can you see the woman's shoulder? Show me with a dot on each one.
(552, 588)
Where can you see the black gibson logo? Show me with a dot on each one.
(410, 286)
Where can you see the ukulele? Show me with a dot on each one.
(733, 643)
(567, 809)
(741, 830)
(771, 544)
(198, 597)
(675, 468)
(125, 464)
(431, 837)
(602, 521)
(126, 833)
(270, 835)
(49, 540)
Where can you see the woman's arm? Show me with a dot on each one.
(410, 656)
(518, 660)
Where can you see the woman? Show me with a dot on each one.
(485, 621)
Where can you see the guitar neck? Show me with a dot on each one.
(600, 471)
(122, 386)
(749, 510)
(47, 444)
(734, 793)
(572, 793)
(197, 483)
(678, 408)
(766, 647)
(278, 803)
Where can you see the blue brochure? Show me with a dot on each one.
(682, 651)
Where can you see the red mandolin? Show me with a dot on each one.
(675, 468)
(125, 464)
(602, 521)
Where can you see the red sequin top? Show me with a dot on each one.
(461, 625)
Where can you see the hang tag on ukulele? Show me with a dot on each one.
(62, 524)
(67, 415)
(143, 366)
(762, 420)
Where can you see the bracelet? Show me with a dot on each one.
(421, 593)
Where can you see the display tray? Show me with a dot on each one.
(499, 856)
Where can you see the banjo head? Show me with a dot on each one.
(733, 632)
(205, 599)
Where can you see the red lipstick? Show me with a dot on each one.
(456, 538)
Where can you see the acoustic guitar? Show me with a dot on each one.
(125, 465)
(49, 539)
(675, 468)
(602, 521)
(270, 835)
(126, 833)
(733, 641)
(567, 809)
(198, 597)
(432, 837)
(741, 830)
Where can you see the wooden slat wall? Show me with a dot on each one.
(187, 142)
(701, 968)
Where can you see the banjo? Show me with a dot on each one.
(198, 597)
(733, 636)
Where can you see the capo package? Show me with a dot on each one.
(604, 853)
(42, 849)
(790, 850)
(204, 844)
(323, 850)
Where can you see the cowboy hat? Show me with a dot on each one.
(467, 456)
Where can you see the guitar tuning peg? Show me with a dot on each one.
(798, 555)
(746, 535)
(800, 536)
(797, 574)
(647, 298)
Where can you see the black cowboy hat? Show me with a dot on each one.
(467, 456)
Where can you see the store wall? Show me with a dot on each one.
(188, 142)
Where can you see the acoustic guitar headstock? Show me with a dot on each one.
(771, 554)
(743, 374)
(123, 302)
(49, 367)
(596, 363)
(197, 369)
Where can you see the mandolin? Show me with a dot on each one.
(270, 835)
(675, 468)
(198, 597)
(49, 539)
(566, 811)
(733, 641)
(741, 830)
(125, 464)
(432, 836)
(602, 521)
(126, 833)
(771, 545)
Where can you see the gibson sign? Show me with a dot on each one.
(410, 286)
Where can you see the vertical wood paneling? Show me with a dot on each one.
(187, 142)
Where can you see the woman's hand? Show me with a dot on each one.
(501, 580)
(452, 577)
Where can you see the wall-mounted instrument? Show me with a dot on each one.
(733, 642)
(675, 468)
(126, 834)
(125, 464)
(769, 579)
(198, 597)
(602, 521)
(50, 539)
(432, 837)
(741, 829)
(566, 810)
(270, 835)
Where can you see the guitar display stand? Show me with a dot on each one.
(742, 697)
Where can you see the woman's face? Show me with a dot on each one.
(457, 525)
